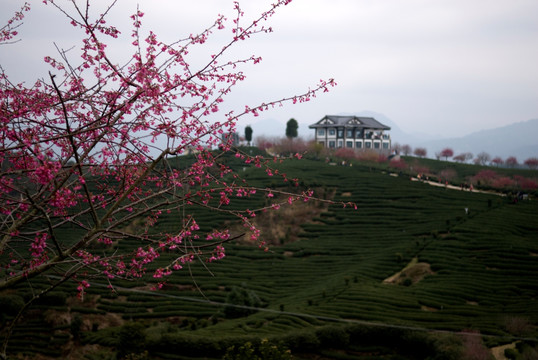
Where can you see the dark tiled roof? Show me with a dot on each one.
(350, 121)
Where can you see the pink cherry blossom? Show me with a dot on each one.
(95, 145)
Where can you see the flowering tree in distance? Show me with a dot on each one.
(88, 148)
(497, 160)
(406, 149)
(420, 152)
(446, 153)
(511, 161)
(482, 158)
(459, 158)
(532, 162)
(463, 157)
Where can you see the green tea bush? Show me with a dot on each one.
(104, 337)
(148, 315)
(131, 339)
(85, 310)
(75, 325)
(511, 354)
(332, 337)
(337, 266)
(300, 341)
(55, 298)
(10, 305)
(263, 350)
(245, 301)
(187, 345)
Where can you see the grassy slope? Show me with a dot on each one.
(339, 265)
(485, 262)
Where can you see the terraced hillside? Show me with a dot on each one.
(412, 264)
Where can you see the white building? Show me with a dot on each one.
(353, 132)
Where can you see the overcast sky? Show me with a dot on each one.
(448, 67)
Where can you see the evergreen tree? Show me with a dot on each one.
(291, 128)
(248, 134)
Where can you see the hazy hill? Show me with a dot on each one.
(519, 140)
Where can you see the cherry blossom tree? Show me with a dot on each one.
(463, 157)
(525, 183)
(446, 153)
(91, 147)
(420, 152)
(406, 149)
(467, 156)
(532, 162)
(497, 160)
(511, 161)
(399, 164)
(264, 143)
(284, 146)
(482, 158)
(459, 158)
(448, 174)
(485, 177)
(503, 182)
(421, 169)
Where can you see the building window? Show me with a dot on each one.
(321, 132)
(340, 143)
(385, 145)
(332, 132)
(377, 145)
(358, 144)
(322, 143)
(340, 133)
(358, 134)
(368, 144)
(349, 133)
(349, 144)
(332, 144)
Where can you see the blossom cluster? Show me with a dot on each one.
(92, 150)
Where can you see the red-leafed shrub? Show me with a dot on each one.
(484, 177)
(345, 153)
(448, 174)
(368, 156)
(525, 183)
(399, 164)
(503, 182)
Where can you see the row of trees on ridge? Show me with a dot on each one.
(482, 158)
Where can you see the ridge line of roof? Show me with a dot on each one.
(366, 121)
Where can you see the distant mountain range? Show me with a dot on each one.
(519, 139)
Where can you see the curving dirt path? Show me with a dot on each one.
(453, 187)
(498, 351)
